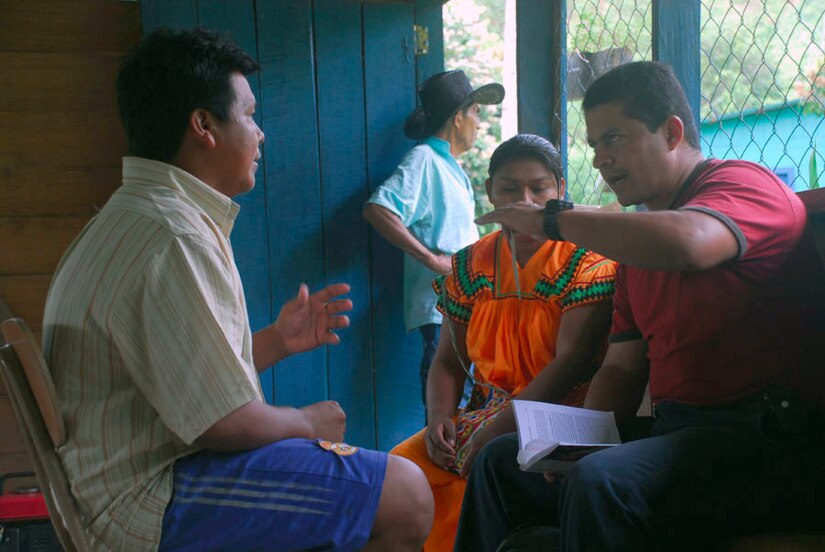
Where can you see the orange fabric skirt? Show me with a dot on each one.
(448, 487)
(448, 492)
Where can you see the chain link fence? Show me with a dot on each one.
(600, 35)
(762, 82)
(763, 85)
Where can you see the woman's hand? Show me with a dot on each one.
(440, 441)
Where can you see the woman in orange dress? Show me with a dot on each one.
(533, 324)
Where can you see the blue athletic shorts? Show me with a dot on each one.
(295, 494)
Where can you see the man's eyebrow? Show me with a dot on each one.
(592, 141)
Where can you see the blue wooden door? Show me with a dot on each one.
(389, 76)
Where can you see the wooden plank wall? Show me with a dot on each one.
(676, 40)
(60, 147)
(389, 80)
(340, 82)
(337, 80)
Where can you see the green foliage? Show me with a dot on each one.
(754, 53)
(811, 88)
(473, 42)
(813, 173)
(595, 26)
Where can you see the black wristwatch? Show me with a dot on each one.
(551, 210)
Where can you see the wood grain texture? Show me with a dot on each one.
(60, 146)
(34, 245)
(26, 296)
(172, 14)
(62, 81)
(337, 25)
(814, 200)
(676, 32)
(294, 207)
(60, 139)
(428, 14)
(11, 441)
(56, 191)
(59, 26)
(389, 77)
(17, 462)
(534, 63)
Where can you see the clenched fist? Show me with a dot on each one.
(328, 420)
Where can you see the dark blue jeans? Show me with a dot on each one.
(703, 475)
(500, 497)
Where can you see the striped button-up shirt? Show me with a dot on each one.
(147, 336)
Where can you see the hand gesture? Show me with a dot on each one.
(523, 217)
(440, 441)
(307, 321)
(328, 420)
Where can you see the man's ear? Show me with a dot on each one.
(488, 185)
(458, 118)
(674, 129)
(202, 127)
(562, 188)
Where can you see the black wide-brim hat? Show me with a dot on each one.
(442, 95)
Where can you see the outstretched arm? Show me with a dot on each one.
(657, 240)
(304, 323)
(582, 332)
(389, 225)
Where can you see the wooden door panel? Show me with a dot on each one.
(342, 138)
(293, 198)
(389, 70)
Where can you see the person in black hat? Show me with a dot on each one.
(426, 208)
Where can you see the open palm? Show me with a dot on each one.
(308, 321)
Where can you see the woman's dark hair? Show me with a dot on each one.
(168, 76)
(648, 92)
(527, 146)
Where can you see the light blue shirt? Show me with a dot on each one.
(434, 199)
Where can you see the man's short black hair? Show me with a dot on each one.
(168, 76)
(527, 146)
(648, 91)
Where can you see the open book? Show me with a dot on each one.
(552, 437)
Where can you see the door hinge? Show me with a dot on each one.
(422, 40)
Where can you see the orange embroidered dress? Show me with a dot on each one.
(511, 335)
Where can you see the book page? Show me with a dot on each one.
(566, 425)
(533, 451)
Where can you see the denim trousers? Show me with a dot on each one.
(703, 475)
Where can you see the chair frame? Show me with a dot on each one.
(28, 406)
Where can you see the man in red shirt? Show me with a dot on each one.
(734, 447)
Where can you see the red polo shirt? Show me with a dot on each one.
(720, 334)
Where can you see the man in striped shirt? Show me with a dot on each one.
(147, 335)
